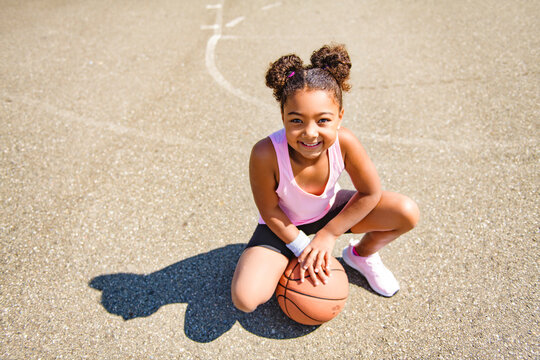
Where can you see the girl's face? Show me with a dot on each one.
(311, 119)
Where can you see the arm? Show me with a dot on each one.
(263, 173)
(366, 181)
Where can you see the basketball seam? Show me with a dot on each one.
(296, 306)
(308, 295)
(308, 276)
(287, 288)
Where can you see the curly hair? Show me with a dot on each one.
(329, 70)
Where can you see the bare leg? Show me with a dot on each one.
(394, 215)
(256, 276)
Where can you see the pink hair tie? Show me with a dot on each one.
(291, 75)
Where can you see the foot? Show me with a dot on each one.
(381, 280)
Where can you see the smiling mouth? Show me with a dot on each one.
(310, 146)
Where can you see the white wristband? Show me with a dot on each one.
(299, 244)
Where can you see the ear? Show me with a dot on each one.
(341, 117)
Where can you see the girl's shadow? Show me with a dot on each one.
(203, 282)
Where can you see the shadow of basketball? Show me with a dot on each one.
(203, 282)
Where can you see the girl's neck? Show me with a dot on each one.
(302, 161)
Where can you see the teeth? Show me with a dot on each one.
(311, 145)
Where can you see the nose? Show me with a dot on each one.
(311, 130)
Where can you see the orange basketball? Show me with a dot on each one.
(309, 304)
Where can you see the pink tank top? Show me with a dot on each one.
(300, 206)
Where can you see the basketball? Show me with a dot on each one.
(308, 304)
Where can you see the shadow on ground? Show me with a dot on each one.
(203, 282)
(355, 278)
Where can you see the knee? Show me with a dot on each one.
(243, 302)
(410, 213)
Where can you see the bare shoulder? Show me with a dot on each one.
(263, 162)
(348, 141)
(263, 150)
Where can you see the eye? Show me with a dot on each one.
(296, 121)
(324, 120)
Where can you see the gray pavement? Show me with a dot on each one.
(125, 131)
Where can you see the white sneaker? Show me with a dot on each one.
(381, 280)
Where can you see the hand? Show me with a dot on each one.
(315, 259)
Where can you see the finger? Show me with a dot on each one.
(319, 261)
(323, 276)
(302, 274)
(304, 255)
(311, 272)
(319, 270)
(327, 263)
(310, 259)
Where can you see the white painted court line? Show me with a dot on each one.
(210, 60)
(209, 27)
(177, 140)
(235, 22)
(117, 129)
(443, 144)
(270, 6)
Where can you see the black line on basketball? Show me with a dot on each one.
(296, 306)
(315, 297)
(287, 288)
(308, 295)
(284, 303)
(307, 276)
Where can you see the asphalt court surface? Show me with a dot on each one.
(125, 132)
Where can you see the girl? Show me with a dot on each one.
(294, 174)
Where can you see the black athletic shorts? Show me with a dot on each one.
(264, 237)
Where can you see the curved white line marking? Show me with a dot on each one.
(218, 77)
(118, 129)
(171, 139)
(210, 61)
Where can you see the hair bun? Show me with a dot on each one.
(280, 70)
(335, 59)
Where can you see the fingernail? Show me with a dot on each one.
(316, 270)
